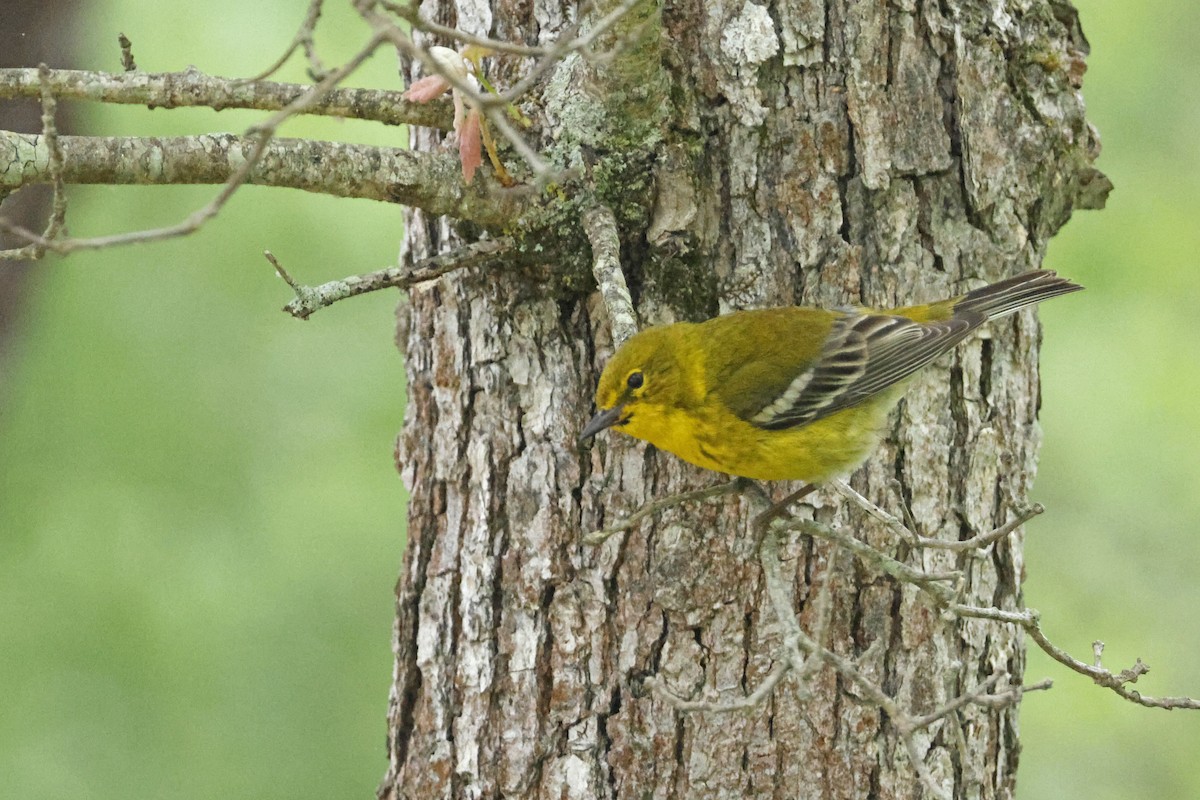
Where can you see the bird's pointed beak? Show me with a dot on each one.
(605, 419)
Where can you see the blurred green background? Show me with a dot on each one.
(198, 509)
(199, 514)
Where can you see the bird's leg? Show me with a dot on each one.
(781, 508)
(762, 521)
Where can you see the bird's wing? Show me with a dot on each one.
(863, 355)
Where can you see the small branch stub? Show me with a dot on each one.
(127, 62)
(601, 228)
(310, 299)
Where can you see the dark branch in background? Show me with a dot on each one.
(192, 88)
(310, 299)
(56, 224)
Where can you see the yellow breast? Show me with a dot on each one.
(720, 441)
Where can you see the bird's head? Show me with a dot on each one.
(646, 382)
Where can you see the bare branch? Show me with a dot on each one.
(601, 228)
(965, 699)
(783, 507)
(912, 537)
(930, 582)
(1029, 620)
(774, 521)
(796, 641)
(242, 170)
(310, 299)
(58, 209)
(192, 88)
(658, 506)
(428, 181)
(1012, 696)
(805, 654)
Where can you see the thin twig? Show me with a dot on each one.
(566, 45)
(193, 88)
(912, 537)
(658, 506)
(752, 700)
(931, 582)
(1029, 620)
(846, 667)
(263, 134)
(310, 299)
(412, 15)
(569, 41)
(781, 603)
(384, 27)
(875, 511)
(58, 211)
(303, 38)
(56, 223)
(966, 698)
(1013, 695)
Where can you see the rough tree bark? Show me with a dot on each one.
(829, 153)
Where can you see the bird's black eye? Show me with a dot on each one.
(634, 381)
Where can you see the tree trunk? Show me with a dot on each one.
(832, 154)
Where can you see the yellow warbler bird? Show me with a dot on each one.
(789, 393)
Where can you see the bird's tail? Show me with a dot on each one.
(1013, 294)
